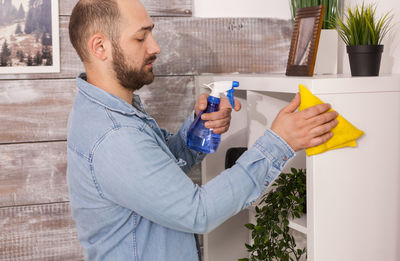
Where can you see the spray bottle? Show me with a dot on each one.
(199, 137)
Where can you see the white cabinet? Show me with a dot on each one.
(353, 194)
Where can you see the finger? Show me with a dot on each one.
(201, 103)
(224, 104)
(315, 110)
(238, 105)
(320, 139)
(322, 129)
(218, 115)
(293, 105)
(218, 123)
(220, 130)
(322, 119)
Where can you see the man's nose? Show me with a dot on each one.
(153, 47)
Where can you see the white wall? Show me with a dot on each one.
(280, 9)
(242, 8)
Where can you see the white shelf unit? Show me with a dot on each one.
(353, 194)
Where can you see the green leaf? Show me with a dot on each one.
(249, 226)
(249, 247)
(270, 234)
(360, 26)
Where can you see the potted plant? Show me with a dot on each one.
(363, 33)
(272, 240)
(327, 55)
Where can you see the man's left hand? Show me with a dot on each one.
(218, 121)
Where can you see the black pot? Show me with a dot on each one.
(365, 60)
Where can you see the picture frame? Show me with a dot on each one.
(305, 41)
(29, 37)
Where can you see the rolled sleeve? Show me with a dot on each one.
(265, 161)
(276, 150)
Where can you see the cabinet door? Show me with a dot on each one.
(355, 192)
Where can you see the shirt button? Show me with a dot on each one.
(267, 183)
(151, 126)
(284, 158)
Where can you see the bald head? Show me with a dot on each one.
(93, 16)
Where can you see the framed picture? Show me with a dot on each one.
(29, 36)
(305, 40)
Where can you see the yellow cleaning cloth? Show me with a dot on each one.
(344, 134)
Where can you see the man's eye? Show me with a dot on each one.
(140, 40)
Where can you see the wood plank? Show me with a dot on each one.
(154, 7)
(222, 45)
(169, 100)
(35, 110)
(192, 46)
(38, 233)
(38, 110)
(33, 173)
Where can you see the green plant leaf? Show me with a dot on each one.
(249, 226)
(270, 234)
(360, 25)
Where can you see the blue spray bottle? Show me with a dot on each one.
(199, 137)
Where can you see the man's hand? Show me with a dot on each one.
(218, 121)
(307, 128)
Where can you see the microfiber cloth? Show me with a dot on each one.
(344, 134)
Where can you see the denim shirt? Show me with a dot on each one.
(129, 193)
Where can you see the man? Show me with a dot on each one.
(130, 197)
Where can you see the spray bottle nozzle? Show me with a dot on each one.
(225, 87)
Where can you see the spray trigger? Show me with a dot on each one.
(229, 94)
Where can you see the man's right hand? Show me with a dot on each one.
(304, 129)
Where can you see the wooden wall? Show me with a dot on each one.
(35, 217)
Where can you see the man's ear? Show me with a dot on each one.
(99, 47)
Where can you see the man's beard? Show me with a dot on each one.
(128, 77)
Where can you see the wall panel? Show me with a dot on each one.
(38, 233)
(192, 46)
(33, 173)
(35, 110)
(154, 7)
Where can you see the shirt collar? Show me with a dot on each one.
(110, 101)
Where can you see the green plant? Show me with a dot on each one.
(359, 26)
(331, 9)
(272, 240)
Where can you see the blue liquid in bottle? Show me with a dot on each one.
(201, 138)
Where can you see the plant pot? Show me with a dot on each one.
(365, 60)
(327, 55)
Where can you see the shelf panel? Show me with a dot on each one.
(322, 84)
(299, 224)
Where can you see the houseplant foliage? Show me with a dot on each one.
(270, 234)
(359, 26)
(363, 32)
(331, 9)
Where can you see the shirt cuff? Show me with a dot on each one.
(275, 149)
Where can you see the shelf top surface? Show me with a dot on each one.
(321, 84)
